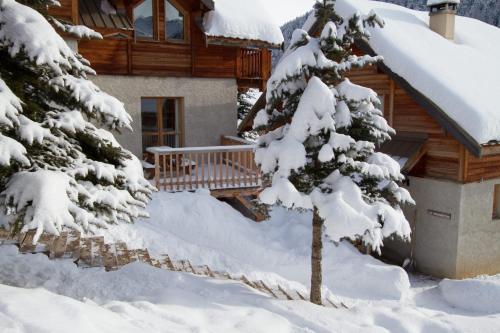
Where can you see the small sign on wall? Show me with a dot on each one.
(441, 215)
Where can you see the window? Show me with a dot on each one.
(161, 122)
(143, 19)
(496, 202)
(174, 22)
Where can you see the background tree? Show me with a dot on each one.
(322, 132)
(59, 167)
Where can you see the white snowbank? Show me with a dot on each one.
(38, 296)
(480, 294)
(198, 227)
(141, 298)
(242, 19)
(461, 77)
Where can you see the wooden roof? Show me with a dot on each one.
(408, 147)
(92, 15)
(434, 110)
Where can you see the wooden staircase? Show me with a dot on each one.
(89, 252)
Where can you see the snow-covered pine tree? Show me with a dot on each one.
(58, 167)
(246, 100)
(322, 131)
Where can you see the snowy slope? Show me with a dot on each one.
(461, 77)
(243, 20)
(41, 295)
(38, 295)
(206, 231)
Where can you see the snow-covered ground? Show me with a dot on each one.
(38, 295)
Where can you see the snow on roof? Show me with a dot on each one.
(461, 77)
(438, 2)
(242, 19)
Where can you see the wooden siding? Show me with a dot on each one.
(484, 168)
(444, 157)
(68, 11)
(120, 54)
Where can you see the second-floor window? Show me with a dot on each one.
(174, 22)
(143, 19)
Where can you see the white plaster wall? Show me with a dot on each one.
(435, 237)
(209, 105)
(479, 233)
(465, 245)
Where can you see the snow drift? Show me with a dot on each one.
(200, 228)
(480, 294)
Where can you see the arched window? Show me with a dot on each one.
(174, 22)
(143, 20)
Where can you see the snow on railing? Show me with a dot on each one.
(212, 168)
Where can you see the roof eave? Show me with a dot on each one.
(240, 42)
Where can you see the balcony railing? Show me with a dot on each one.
(212, 168)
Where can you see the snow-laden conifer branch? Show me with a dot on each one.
(59, 170)
(322, 133)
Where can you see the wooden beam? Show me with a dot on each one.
(74, 12)
(392, 93)
(245, 43)
(463, 164)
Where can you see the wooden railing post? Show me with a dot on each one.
(213, 168)
(157, 170)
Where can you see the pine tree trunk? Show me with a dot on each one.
(316, 255)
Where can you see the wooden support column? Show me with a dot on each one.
(129, 56)
(74, 11)
(392, 92)
(463, 169)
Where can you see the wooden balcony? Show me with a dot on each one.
(253, 68)
(220, 169)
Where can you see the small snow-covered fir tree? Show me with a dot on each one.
(58, 167)
(246, 101)
(319, 152)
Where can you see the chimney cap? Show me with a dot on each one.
(431, 3)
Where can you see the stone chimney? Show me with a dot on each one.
(442, 17)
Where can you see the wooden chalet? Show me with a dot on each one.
(187, 52)
(454, 178)
(178, 72)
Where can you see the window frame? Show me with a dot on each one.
(185, 14)
(161, 132)
(156, 29)
(496, 202)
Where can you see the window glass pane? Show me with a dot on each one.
(148, 114)
(169, 121)
(143, 19)
(174, 22)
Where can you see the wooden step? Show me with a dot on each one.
(27, 245)
(156, 263)
(144, 256)
(85, 253)
(203, 270)
(110, 260)
(250, 208)
(73, 245)
(328, 303)
(58, 247)
(166, 263)
(6, 237)
(122, 254)
(97, 252)
(287, 295)
(44, 243)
